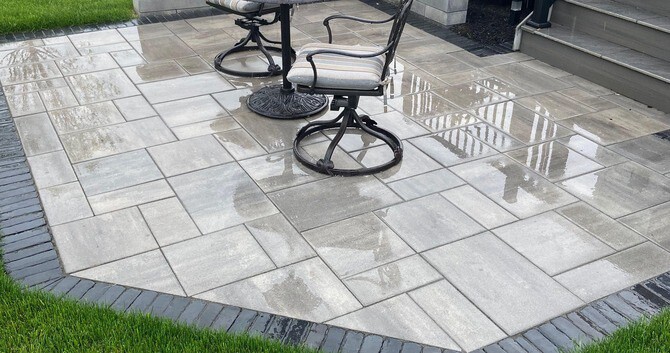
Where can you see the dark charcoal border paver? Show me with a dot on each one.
(31, 259)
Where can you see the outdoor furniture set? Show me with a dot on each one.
(318, 69)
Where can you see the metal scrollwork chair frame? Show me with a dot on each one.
(251, 21)
(349, 98)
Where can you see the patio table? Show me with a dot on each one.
(282, 101)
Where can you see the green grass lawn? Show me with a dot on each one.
(645, 336)
(39, 322)
(32, 15)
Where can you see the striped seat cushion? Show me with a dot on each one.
(338, 71)
(242, 5)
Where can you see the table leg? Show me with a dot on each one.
(282, 101)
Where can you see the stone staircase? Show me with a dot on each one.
(623, 45)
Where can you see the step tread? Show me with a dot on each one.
(627, 12)
(619, 54)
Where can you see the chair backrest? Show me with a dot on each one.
(396, 32)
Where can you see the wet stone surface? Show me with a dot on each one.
(154, 175)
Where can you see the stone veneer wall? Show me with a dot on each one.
(446, 12)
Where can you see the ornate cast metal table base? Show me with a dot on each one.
(275, 102)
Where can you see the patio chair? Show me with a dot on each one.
(252, 21)
(347, 73)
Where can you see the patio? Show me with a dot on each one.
(524, 192)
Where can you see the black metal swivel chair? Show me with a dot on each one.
(252, 21)
(347, 73)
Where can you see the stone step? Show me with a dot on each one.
(634, 74)
(618, 23)
(658, 6)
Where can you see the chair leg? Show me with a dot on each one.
(345, 121)
(255, 37)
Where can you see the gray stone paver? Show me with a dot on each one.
(120, 121)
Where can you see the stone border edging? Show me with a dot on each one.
(31, 259)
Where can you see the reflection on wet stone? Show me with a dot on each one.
(493, 137)
(452, 147)
(85, 117)
(26, 73)
(32, 54)
(554, 160)
(448, 121)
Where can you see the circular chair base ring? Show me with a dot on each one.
(329, 167)
(218, 60)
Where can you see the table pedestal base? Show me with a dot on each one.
(275, 102)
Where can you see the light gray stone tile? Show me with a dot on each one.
(145, 31)
(521, 123)
(453, 147)
(501, 87)
(428, 222)
(526, 78)
(278, 171)
(652, 223)
(413, 162)
(134, 108)
(169, 221)
(51, 169)
(207, 127)
(355, 196)
(306, 290)
(457, 316)
(154, 71)
(107, 48)
(489, 272)
(194, 65)
(400, 125)
(554, 106)
(146, 271)
(410, 81)
(94, 241)
(25, 103)
(128, 57)
(651, 151)
(189, 155)
(239, 144)
(552, 243)
(64, 203)
(517, 189)
(37, 134)
(357, 244)
(554, 161)
(493, 137)
(101, 86)
(85, 117)
(191, 110)
(420, 106)
(130, 196)
(398, 317)
(162, 48)
(221, 197)
(26, 53)
(109, 140)
(425, 184)
(58, 98)
(85, 64)
(280, 240)
(610, 231)
(28, 73)
(620, 270)
(216, 259)
(273, 134)
(614, 125)
(391, 279)
(592, 150)
(184, 87)
(97, 38)
(469, 95)
(478, 206)
(117, 172)
(448, 121)
(621, 189)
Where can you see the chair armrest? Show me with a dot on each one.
(310, 58)
(326, 22)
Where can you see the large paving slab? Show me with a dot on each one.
(522, 187)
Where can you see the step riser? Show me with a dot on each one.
(620, 79)
(629, 34)
(661, 7)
